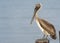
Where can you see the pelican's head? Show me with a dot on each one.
(35, 11)
(37, 8)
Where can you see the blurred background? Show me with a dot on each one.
(15, 17)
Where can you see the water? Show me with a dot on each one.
(15, 17)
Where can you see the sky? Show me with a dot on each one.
(15, 17)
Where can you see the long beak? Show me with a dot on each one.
(35, 10)
(33, 15)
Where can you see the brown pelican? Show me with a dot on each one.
(46, 27)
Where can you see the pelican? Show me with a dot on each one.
(47, 28)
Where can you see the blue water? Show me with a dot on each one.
(15, 17)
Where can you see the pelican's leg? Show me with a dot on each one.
(43, 36)
(46, 36)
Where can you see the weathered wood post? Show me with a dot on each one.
(42, 41)
(59, 36)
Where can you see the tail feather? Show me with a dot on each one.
(53, 36)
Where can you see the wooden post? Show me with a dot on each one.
(42, 41)
(59, 36)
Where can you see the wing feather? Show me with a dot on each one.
(47, 26)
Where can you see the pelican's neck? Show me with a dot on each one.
(36, 16)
